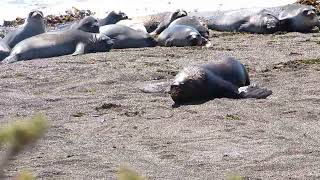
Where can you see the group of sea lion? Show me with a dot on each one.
(226, 78)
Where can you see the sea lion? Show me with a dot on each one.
(125, 37)
(153, 21)
(168, 19)
(4, 50)
(298, 18)
(181, 35)
(193, 22)
(87, 24)
(33, 25)
(112, 18)
(52, 44)
(226, 78)
(133, 24)
(262, 22)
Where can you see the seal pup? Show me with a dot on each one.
(226, 78)
(180, 36)
(59, 43)
(34, 25)
(192, 22)
(262, 22)
(125, 37)
(151, 22)
(167, 20)
(112, 18)
(4, 50)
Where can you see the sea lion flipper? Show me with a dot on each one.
(10, 59)
(79, 49)
(159, 87)
(254, 91)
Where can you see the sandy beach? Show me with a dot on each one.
(100, 120)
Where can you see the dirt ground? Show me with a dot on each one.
(100, 119)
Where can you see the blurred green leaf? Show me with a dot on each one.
(127, 174)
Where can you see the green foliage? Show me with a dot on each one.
(127, 174)
(25, 175)
(21, 133)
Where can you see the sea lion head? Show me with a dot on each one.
(178, 14)
(35, 15)
(102, 43)
(188, 85)
(88, 24)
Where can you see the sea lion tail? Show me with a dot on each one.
(254, 91)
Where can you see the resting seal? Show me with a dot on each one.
(297, 17)
(168, 19)
(133, 24)
(227, 78)
(193, 22)
(34, 25)
(87, 24)
(125, 37)
(152, 22)
(112, 18)
(263, 22)
(52, 44)
(4, 50)
(180, 35)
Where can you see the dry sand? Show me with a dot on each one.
(100, 119)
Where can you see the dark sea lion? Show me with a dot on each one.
(4, 50)
(52, 44)
(34, 25)
(193, 22)
(125, 37)
(180, 35)
(168, 19)
(263, 22)
(112, 18)
(151, 22)
(227, 78)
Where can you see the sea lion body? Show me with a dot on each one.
(192, 22)
(126, 37)
(214, 80)
(180, 35)
(34, 25)
(52, 44)
(250, 21)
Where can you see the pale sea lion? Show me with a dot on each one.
(226, 78)
(133, 24)
(52, 44)
(33, 25)
(125, 37)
